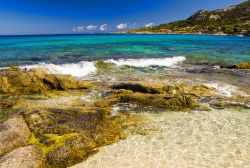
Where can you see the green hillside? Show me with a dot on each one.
(234, 20)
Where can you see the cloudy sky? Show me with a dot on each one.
(91, 16)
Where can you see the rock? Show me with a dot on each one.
(69, 135)
(238, 66)
(73, 151)
(102, 64)
(201, 91)
(140, 87)
(170, 96)
(23, 157)
(16, 80)
(14, 133)
(175, 102)
(3, 116)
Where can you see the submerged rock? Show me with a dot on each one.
(23, 157)
(238, 66)
(16, 80)
(14, 133)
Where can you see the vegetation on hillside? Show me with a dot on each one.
(234, 20)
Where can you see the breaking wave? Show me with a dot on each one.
(85, 68)
(79, 70)
(145, 62)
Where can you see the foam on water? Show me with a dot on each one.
(182, 140)
(167, 62)
(224, 89)
(85, 68)
(79, 70)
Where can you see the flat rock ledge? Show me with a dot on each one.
(23, 157)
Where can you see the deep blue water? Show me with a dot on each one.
(75, 48)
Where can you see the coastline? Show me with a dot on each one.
(150, 33)
(84, 114)
(67, 120)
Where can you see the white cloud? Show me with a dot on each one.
(91, 27)
(149, 25)
(103, 27)
(78, 29)
(122, 26)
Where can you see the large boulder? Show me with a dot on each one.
(14, 133)
(23, 157)
(16, 80)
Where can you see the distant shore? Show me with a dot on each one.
(164, 33)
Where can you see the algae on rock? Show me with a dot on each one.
(67, 134)
(238, 66)
(168, 96)
(16, 80)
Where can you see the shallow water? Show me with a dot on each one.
(183, 139)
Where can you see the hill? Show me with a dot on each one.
(234, 20)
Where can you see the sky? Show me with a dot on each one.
(18, 17)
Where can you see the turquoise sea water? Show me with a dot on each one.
(75, 48)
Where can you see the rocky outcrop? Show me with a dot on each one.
(68, 135)
(14, 133)
(16, 80)
(238, 66)
(169, 96)
(23, 157)
(161, 101)
(65, 128)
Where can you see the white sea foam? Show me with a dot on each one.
(79, 70)
(145, 62)
(224, 89)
